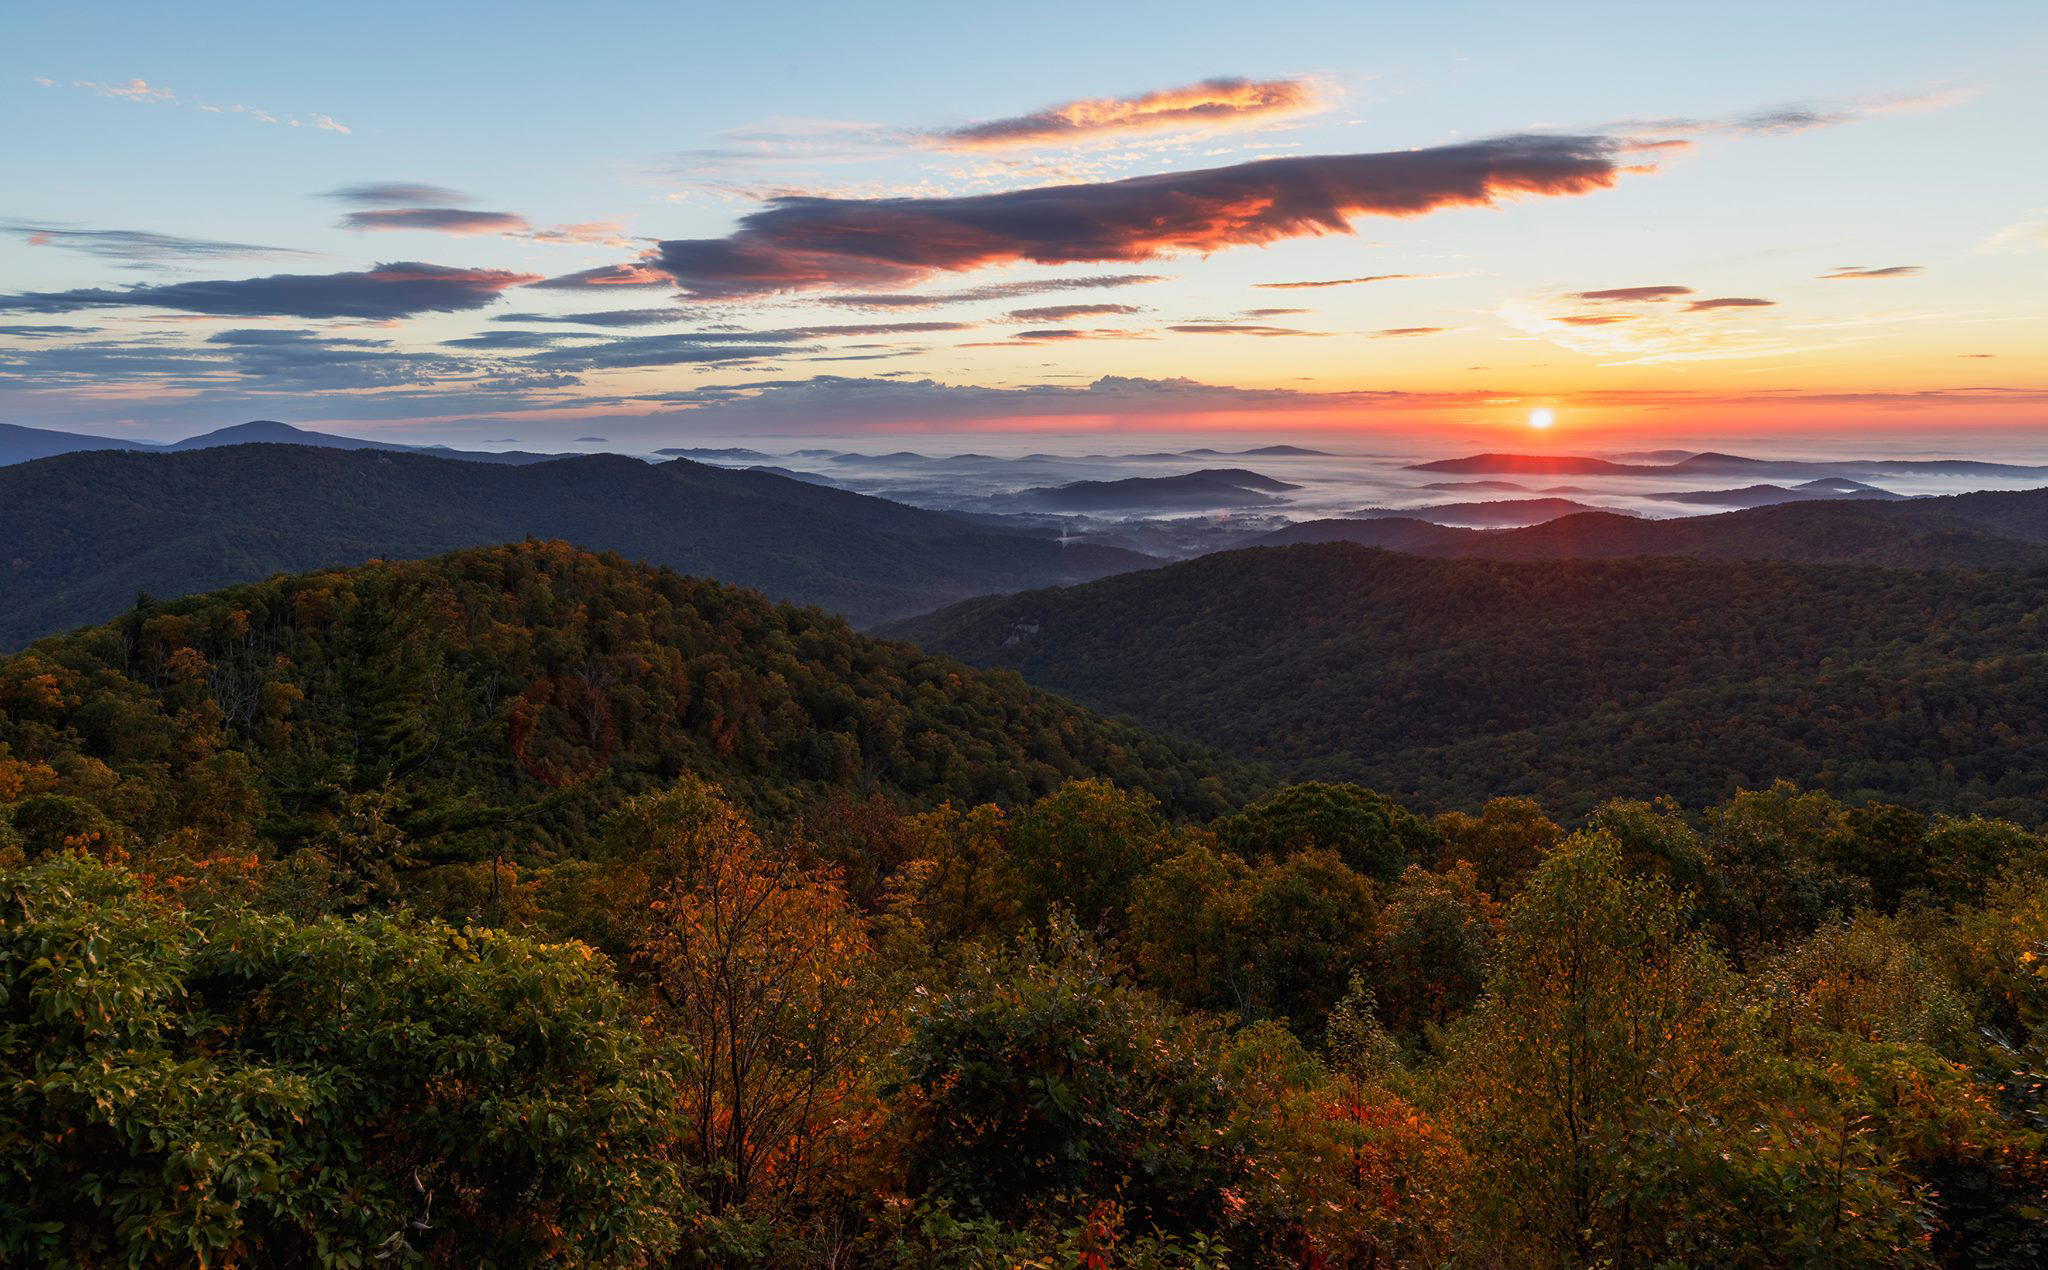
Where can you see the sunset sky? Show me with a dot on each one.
(478, 223)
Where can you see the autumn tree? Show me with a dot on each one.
(764, 971)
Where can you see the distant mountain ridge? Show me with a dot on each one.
(23, 445)
(1711, 463)
(84, 533)
(1986, 529)
(1208, 488)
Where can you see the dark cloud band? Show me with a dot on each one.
(802, 243)
(388, 291)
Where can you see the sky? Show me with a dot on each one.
(517, 224)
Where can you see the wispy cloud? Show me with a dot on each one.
(1728, 302)
(1068, 312)
(2030, 233)
(1343, 282)
(994, 291)
(143, 92)
(139, 247)
(1888, 271)
(1238, 328)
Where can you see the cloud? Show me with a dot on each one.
(437, 220)
(603, 233)
(132, 90)
(1889, 271)
(1403, 332)
(1055, 335)
(142, 91)
(604, 317)
(808, 243)
(1340, 282)
(1237, 328)
(1068, 312)
(396, 290)
(1266, 313)
(44, 332)
(687, 347)
(605, 276)
(1209, 106)
(139, 247)
(1642, 325)
(994, 291)
(1803, 116)
(2027, 234)
(1633, 294)
(397, 193)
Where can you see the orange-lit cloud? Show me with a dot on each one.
(1728, 302)
(1889, 271)
(1209, 106)
(1403, 332)
(607, 276)
(810, 243)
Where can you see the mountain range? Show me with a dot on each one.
(84, 533)
(23, 445)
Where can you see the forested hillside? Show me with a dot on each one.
(493, 702)
(1448, 682)
(84, 533)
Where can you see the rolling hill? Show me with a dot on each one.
(1448, 681)
(497, 699)
(84, 533)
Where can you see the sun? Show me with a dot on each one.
(1542, 417)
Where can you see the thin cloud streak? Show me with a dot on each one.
(1212, 105)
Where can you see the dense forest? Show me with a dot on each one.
(1448, 682)
(83, 533)
(527, 907)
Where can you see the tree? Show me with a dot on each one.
(1370, 832)
(1040, 1082)
(1437, 935)
(764, 971)
(1622, 1106)
(1083, 846)
(1504, 842)
(241, 1089)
